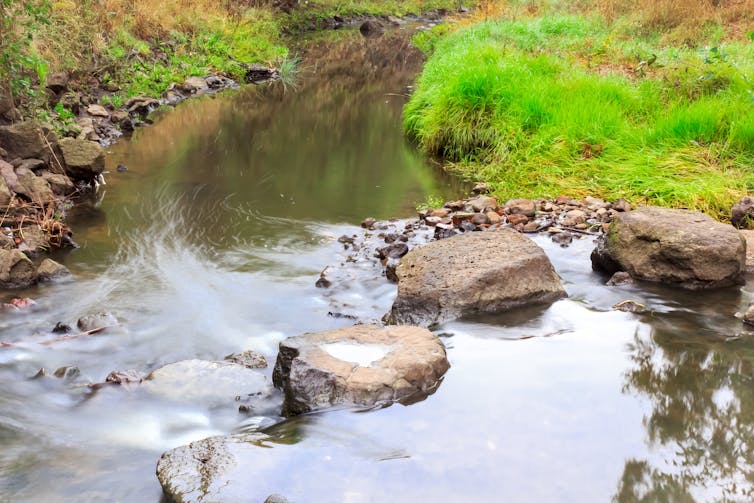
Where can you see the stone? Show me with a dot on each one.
(206, 383)
(576, 216)
(630, 306)
(481, 203)
(84, 160)
(470, 273)
(141, 106)
(124, 377)
(480, 219)
(28, 140)
(594, 204)
(19, 304)
(395, 250)
(439, 212)
(371, 28)
(522, 207)
(33, 187)
(60, 184)
(5, 193)
(742, 213)
(249, 359)
(676, 247)
(67, 372)
(621, 205)
(620, 278)
(362, 365)
(517, 218)
(57, 82)
(194, 84)
(49, 270)
(748, 317)
(205, 471)
(34, 240)
(256, 74)
(214, 82)
(493, 217)
(480, 188)
(368, 223)
(276, 498)
(98, 111)
(97, 322)
(562, 238)
(31, 164)
(749, 238)
(16, 270)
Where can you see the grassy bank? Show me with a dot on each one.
(140, 47)
(556, 102)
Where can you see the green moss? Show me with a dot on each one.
(565, 105)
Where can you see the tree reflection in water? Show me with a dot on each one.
(700, 388)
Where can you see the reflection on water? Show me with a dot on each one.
(211, 243)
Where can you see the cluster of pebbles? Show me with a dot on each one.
(563, 218)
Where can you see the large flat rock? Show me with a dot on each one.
(361, 365)
(207, 383)
(475, 272)
(676, 247)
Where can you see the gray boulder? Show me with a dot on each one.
(361, 365)
(16, 270)
(27, 140)
(214, 469)
(207, 383)
(470, 273)
(83, 159)
(677, 247)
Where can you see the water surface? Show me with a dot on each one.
(211, 243)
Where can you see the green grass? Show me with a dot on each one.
(564, 106)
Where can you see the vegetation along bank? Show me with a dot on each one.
(648, 101)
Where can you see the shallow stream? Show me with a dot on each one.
(211, 243)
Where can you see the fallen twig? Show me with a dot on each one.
(75, 336)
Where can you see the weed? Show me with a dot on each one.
(532, 107)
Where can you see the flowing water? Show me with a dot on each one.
(211, 243)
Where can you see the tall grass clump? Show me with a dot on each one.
(560, 106)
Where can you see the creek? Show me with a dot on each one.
(211, 243)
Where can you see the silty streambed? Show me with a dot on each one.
(211, 243)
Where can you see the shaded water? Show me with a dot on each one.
(211, 243)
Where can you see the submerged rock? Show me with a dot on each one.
(49, 270)
(360, 365)
(676, 247)
(97, 321)
(206, 383)
(473, 272)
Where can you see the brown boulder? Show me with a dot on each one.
(360, 365)
(472, 272)
(16, 270)
(28, 139)
(676, 247)
(84, 160)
